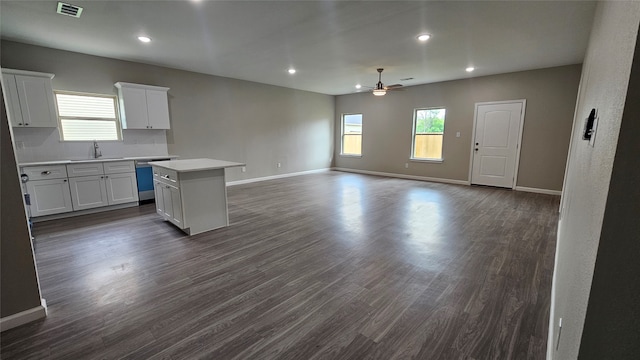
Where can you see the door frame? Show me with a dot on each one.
(518, 145)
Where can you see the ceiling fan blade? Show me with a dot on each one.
(389, 87)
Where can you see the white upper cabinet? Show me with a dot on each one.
(30, 97)
(143, 106)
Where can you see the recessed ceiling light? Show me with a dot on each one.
(470, 69)
(292, 71)
(358, 86)
(144, 39)
(424, 37)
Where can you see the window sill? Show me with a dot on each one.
(350, 155)
(437, 161)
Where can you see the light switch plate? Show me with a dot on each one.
(592, 140)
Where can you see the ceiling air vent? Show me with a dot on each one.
(406, 79)
(68, 9)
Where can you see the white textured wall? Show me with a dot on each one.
(603, 86)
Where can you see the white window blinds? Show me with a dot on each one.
(87, 117)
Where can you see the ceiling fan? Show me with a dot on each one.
(380, 89)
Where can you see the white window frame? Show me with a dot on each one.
(413, 135)
(60, 118)
(342, 153)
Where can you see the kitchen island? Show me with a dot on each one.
(192, 193)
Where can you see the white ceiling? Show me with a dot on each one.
(332, 44)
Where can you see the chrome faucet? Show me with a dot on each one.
(96, 150)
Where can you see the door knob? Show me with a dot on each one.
(476, 149)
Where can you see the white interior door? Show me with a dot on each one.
(496, 143)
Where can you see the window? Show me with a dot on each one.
(87, 117)
(352, 134)
(428, 131)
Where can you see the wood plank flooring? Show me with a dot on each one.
(324, 266)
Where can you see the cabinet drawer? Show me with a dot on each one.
(119, 167)
(45, 172)
(166, 176)
(85, 169)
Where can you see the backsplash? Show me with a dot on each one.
(43, 144)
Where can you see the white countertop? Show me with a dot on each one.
(195, 164)
(64, 162)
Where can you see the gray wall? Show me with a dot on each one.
(611, 324)
(18, 282)
(585, 205)
(211, 116)
(550, 94)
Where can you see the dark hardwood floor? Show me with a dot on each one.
(325, 266)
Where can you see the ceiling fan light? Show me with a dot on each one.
(379, 92)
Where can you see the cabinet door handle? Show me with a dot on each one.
(65, 180)
(26, 124)
(45, 173)
(20, 124)
(101, 177)
(106, 177)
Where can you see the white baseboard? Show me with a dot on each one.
(23, 317)
(265, 178)
(403, 176)
(538, 191)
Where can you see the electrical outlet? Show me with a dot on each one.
(406, 165)
(458, 134)
(244, 169)
(279, 165)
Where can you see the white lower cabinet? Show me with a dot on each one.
(55, 189)
(158, 189)
(94, 191)
(168, 202)
(49, 197)
(121, 188)
(176, 206)
(88, 192)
